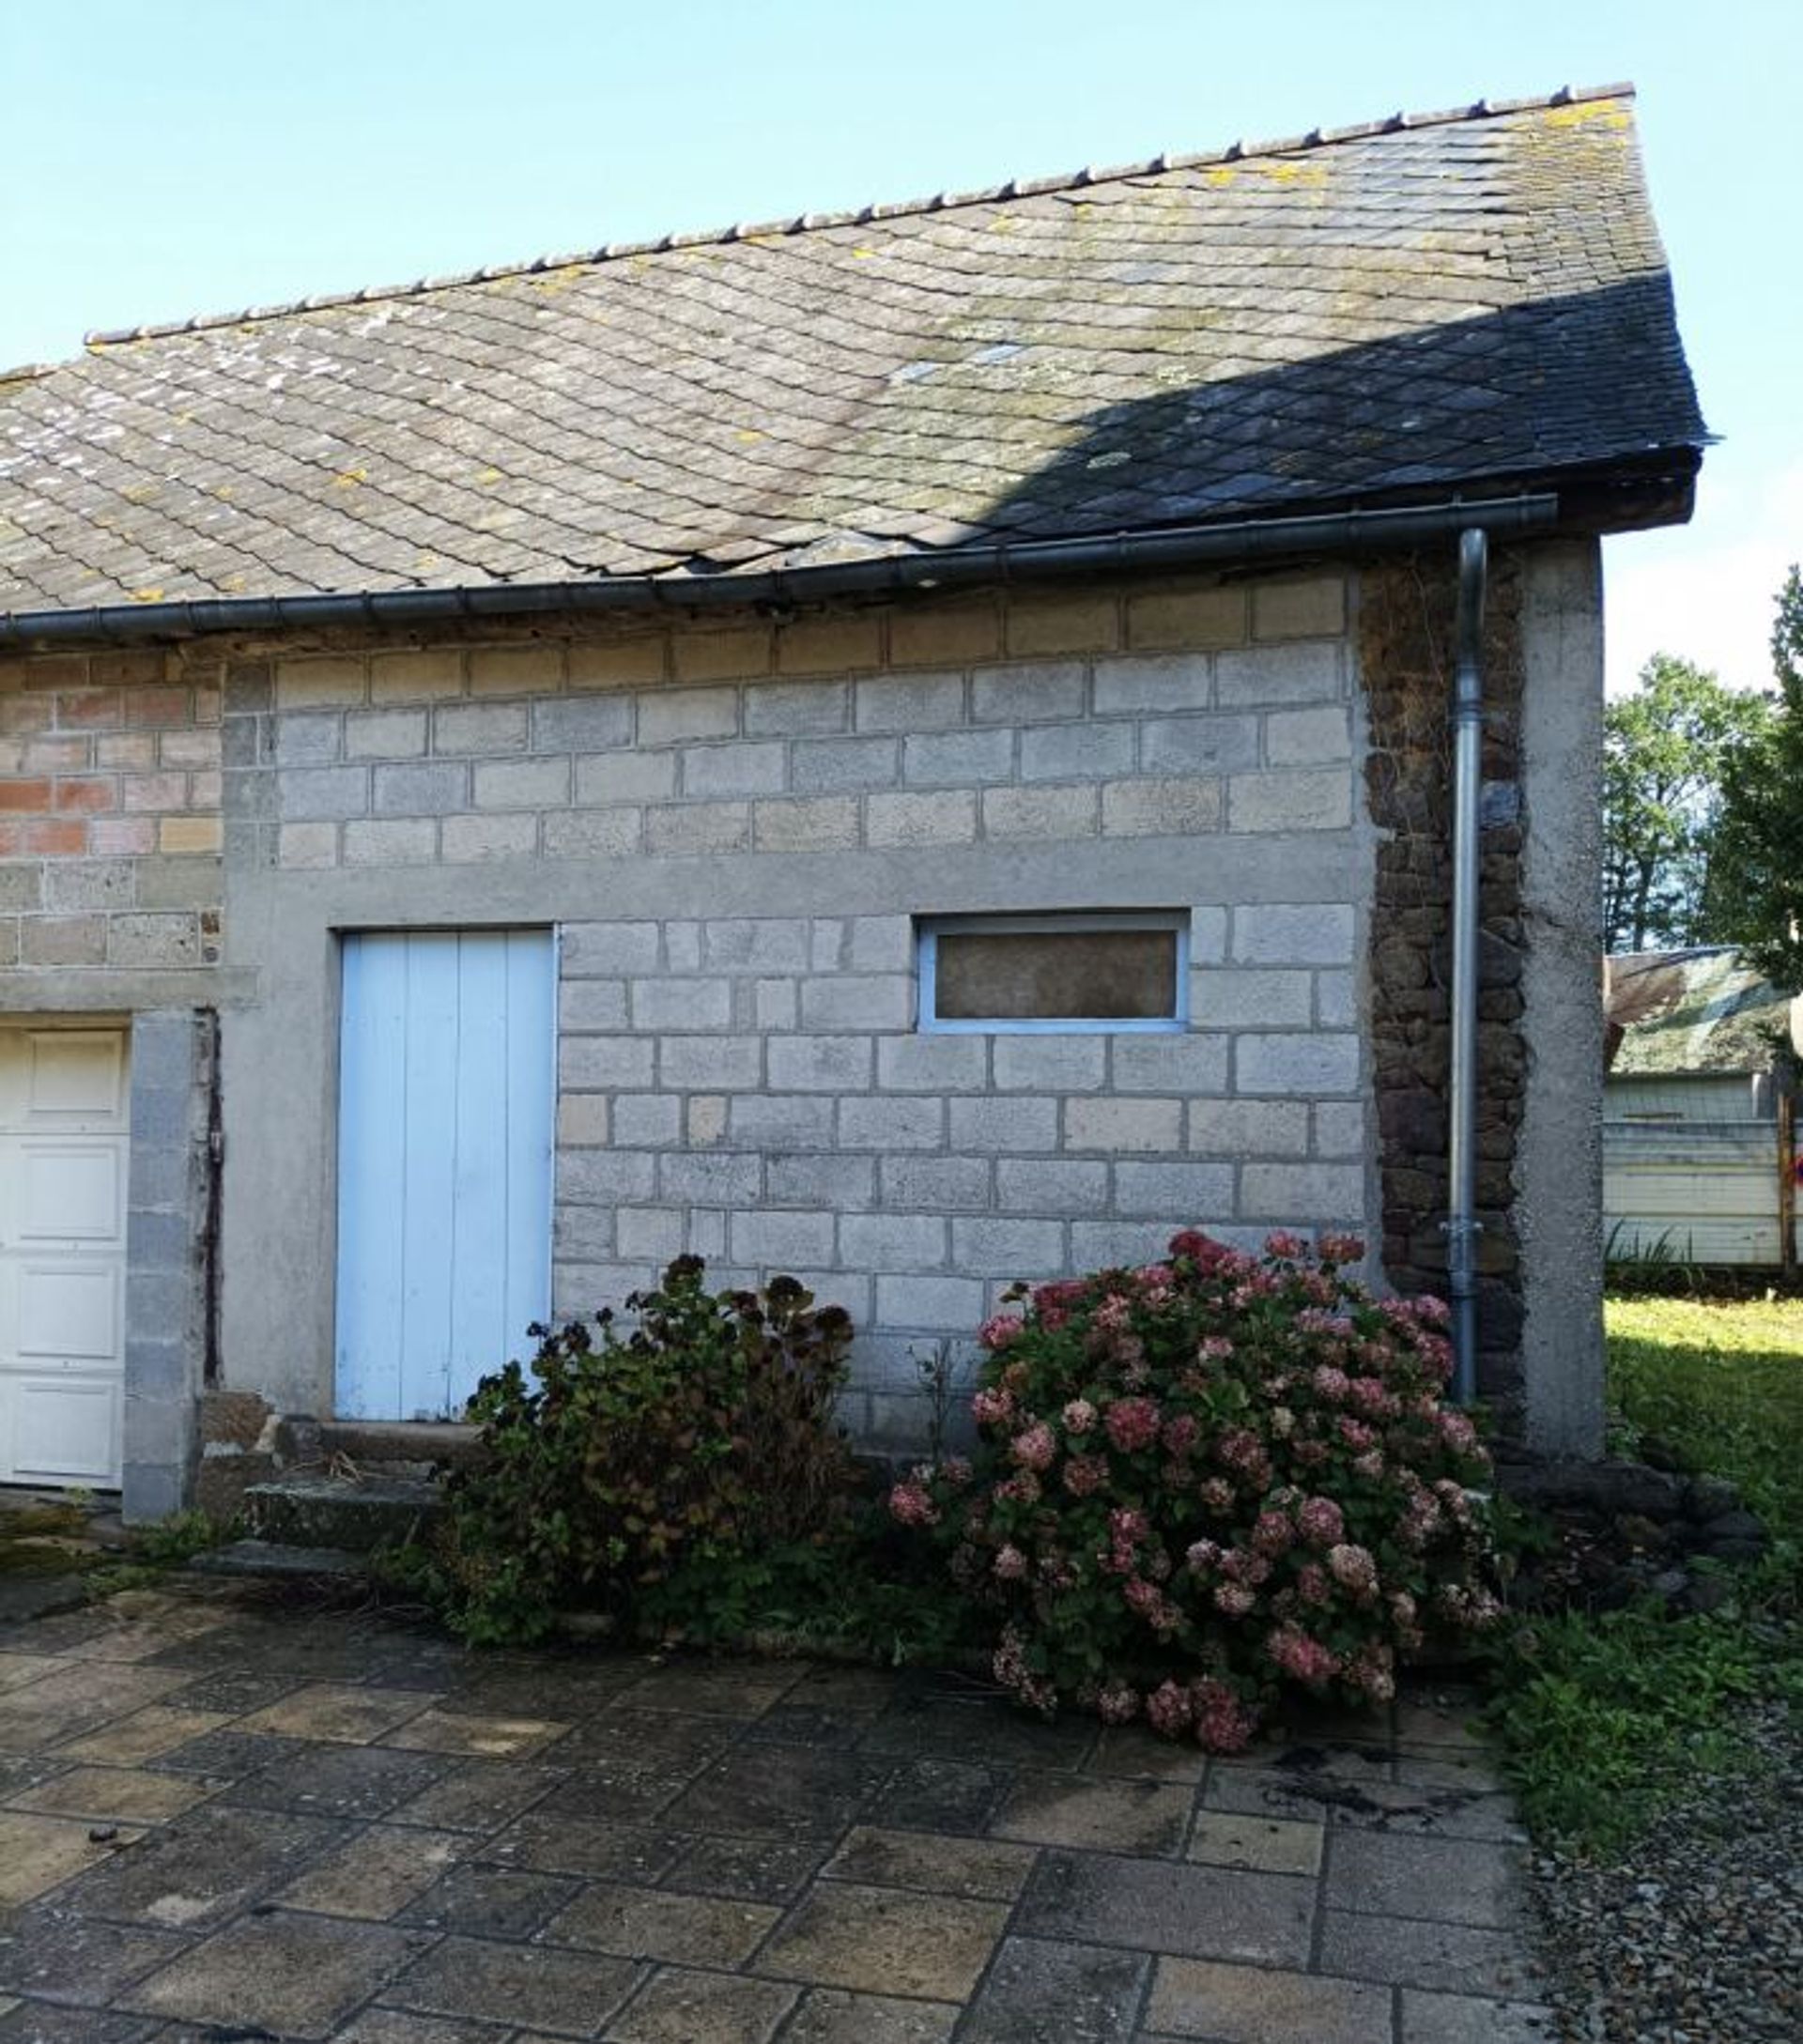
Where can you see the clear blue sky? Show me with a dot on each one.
(158, 160)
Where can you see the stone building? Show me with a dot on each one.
(909, 747)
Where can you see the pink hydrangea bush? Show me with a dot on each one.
(1209, 1479)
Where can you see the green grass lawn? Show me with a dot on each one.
(1721, 1384)
(1607, 1718)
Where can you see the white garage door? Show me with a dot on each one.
(63, 1156)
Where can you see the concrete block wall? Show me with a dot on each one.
(110, 829)
(754, 1090)
(167, 1302)
(765, 812)
(1177, 712)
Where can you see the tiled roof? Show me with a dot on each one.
(1671, 1012)
(1470, 298)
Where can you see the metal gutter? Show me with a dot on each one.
(1461, 1227)
(954, 567)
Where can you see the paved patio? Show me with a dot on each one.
(227, 1816)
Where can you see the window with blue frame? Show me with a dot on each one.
(1102, 969)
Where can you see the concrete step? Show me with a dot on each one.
(380, 1446)
(358, 1514)
(269, 1558)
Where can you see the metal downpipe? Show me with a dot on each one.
(1461, 1224)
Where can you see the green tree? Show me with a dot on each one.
(1757, 883)
(1663, 753)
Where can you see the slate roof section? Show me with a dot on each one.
(1370, 316)
(1672, 1013)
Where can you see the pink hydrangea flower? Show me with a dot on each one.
(1273, 1534)
(993, 1406)
(1312, 1585)
(1341, 1249)
(1301, 1656)
(909, 1505)
(1331, 1385)
(1181, 1434)
(1321, 1521)
(1282, 1243)
(1353, 1568)
(1169, 1710)
(1084, 1475)
(1010, 1563)
(1131, 1425)
(1079, 1415)
(1035, 1447)
(1118, 1703)
(1234, 1600)
(1216, 1493)
(998, 1332)
(1215, 1348)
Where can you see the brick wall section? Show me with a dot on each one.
(110, 829)
(1406, 635)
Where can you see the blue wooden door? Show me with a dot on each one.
(446, 1104)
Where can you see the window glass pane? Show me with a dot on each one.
(1057, 975)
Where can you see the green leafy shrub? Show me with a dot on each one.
(622, 1464)
(1205, 1479)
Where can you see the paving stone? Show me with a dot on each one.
(478, 1795)
(1197, 1912)
(569, 1690)
(335, 1712)
(977, 1868)
(660, 1739)
(375, 1873)
(229, 1691)
(550, 1842)
(1102, 1816)
(828, 2016)
(1470, 1769)
(1461, 1880)
(488, 1902)
(818, 1726)
(1270, 1845)
(144, 1735)
(1133, 1751)
(960, 1729)
(713, 1689)
(398, 2026)
(778, 1791)
(18, 1669)
(77, 1698)
(884, 1940)
(300, 1976)
(1078, 1993)
(678, 2006)
(621, 1792)
(760, 1869)
(52, 1952)
(1421, 1722)
(37, 1853)
(32, 2024)
(942, 1795)
(121, 1795)
(1455, 1958)
(652, 1923)
(338, 1781)
(483, 1737)
(571, 1993)
(225, 1756)
(204, 1868)
(1461, 2018)
(1254, 2005)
